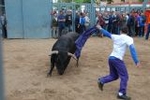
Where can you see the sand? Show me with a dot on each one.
(26, 64)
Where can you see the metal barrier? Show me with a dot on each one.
(27, 23)
(1, 69)
(74, 7)
(1, 60)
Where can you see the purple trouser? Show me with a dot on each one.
(117, 69)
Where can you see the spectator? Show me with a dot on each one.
(110, 22)
(1, 35)
(61, 22)
(130, 25)
(87, 21)
(69, 20)
(77, 22)
(144, 22)
(106, 19)
(148, 27)
(54, 26)
(4, 25)
(81, 25)
(141, 26)
(137, 24)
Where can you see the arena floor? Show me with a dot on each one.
(26, 63)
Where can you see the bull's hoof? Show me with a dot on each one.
(48, 75)
(60, 73)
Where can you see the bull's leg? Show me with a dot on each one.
(52, 67)
(77, 62)
(50, 72)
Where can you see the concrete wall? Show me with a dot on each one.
(28, 18)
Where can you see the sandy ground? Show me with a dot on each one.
(26, 63)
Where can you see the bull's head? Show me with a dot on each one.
(61, 59)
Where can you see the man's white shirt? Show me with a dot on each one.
(120, 44)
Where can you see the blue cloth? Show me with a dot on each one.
(82, 39)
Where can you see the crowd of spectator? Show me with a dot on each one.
(132, 23)
(3, 26)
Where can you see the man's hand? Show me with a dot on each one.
(138, 64)
(98, 26)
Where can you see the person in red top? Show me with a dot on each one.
(148, 24)
(101, 21)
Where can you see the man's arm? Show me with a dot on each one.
(134, 54)
(104, 32)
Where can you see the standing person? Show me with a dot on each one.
(117, 23)
(148, 26)
(61, 22)
(4, 25)
(137, 24)
(141, 26)
(87, 21)
(106, 19)
(130, 25)
(117, 66)
(54, 25)
(143, 22)
(110, 21)
(148, 31)
(69, 20)
(1, 33)
(81, 25)
(101, 22)
(77, 22)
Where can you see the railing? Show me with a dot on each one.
(1, 69)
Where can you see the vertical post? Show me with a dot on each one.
(51, 9)
(22, 17)
(92, 11)
(144, 4)
(2, 7)
(1, 69)
(129, 6)
(73, 15)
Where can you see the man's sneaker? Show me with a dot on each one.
(123, 97)
(100, 85)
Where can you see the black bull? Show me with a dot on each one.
(62, 51)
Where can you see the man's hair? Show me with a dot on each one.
(124, 29)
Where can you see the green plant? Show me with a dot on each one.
(109, 1)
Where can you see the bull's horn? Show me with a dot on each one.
(72, 55)
(53, 52)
